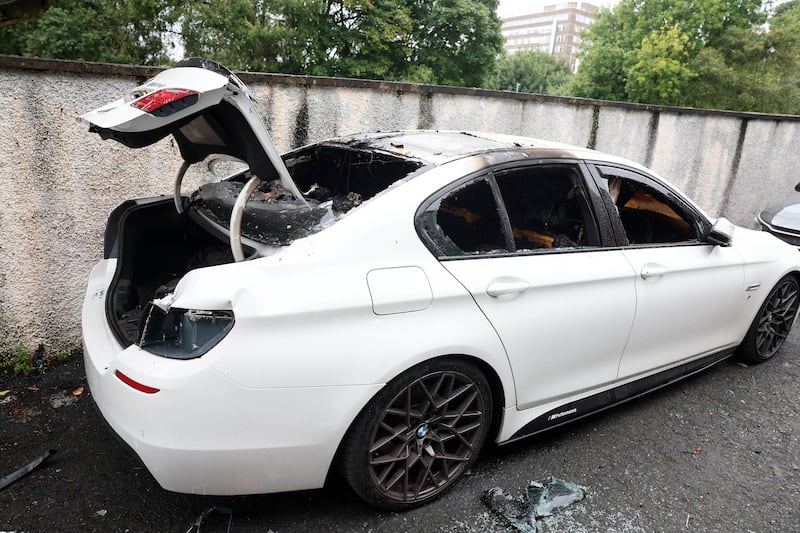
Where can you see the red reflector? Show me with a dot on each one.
(135, 384)
(160, 98)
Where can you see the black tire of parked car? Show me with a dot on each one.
(772, 323)
(418, 435)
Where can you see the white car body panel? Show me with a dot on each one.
(686, 297)
(120, 115)
(590, 292)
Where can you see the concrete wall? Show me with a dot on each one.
(58, 182)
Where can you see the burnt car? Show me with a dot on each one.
(384, 304)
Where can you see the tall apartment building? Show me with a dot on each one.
(554, 29)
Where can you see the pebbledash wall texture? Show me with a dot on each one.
(58, 182)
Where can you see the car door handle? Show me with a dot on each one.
(507, 287)
(653, 272)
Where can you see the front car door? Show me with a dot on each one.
(526, 243)
(687, 289)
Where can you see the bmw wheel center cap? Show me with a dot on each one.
(422, 431)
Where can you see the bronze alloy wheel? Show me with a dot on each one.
(773, 322)
(425, 430)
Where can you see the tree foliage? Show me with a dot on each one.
(116, 31)
(661, 72)
(714, 54)
(752, 69)
(531, 72)
(451, 42)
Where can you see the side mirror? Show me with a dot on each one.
(721, 232)
(797, 187)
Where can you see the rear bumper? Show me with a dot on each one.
(202, 433)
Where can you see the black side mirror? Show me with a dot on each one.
(721, 233)
(797, 187)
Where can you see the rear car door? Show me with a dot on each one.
(526, 244)
(687, 288)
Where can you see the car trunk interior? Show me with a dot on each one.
(155, 245)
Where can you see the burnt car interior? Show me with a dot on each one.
(545, 205)
(334, 177)
(157, 246)
(646, 216)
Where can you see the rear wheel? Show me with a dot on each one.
(418, 435)
(772, 323)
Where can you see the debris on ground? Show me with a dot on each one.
(195, 528)
(25, 470)
(61, 399)
(542, 498)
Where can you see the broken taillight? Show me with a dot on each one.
(135, 384)
(182, 333)
(166, 101)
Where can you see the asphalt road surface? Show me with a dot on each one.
(716, 452)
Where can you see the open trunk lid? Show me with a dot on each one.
(206, 108)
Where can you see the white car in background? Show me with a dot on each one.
(384, 304)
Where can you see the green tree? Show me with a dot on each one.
(240, 34)
(531, 72)
(752, 69)
(447, 41)
(655, 40)
(121, 31)
(455, 42)
(443, 41)
(661, 72)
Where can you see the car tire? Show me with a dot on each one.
(773, 322)
(418, 435)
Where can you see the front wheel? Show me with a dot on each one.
(418, 435)
(772, 323)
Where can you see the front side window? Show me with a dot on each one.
(647, 215)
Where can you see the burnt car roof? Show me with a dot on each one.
(437, 147)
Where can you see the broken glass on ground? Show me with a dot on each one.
(542, 498)
(201, 520)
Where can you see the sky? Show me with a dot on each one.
(521, 7)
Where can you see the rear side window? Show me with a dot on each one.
(528, 209)
(465, 221)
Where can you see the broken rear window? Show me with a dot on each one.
(334, 179)
(465, 221)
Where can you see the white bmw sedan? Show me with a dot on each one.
(382, 305)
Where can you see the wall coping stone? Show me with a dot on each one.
(141, 71)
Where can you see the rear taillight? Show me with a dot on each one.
(166, 101)
(182, 333)
(135, 384)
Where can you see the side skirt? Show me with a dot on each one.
(598, 402)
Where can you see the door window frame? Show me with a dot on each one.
(601, 171)
(591, 197)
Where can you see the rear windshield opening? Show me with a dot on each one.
(333, 179)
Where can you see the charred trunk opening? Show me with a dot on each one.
(155, 247)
